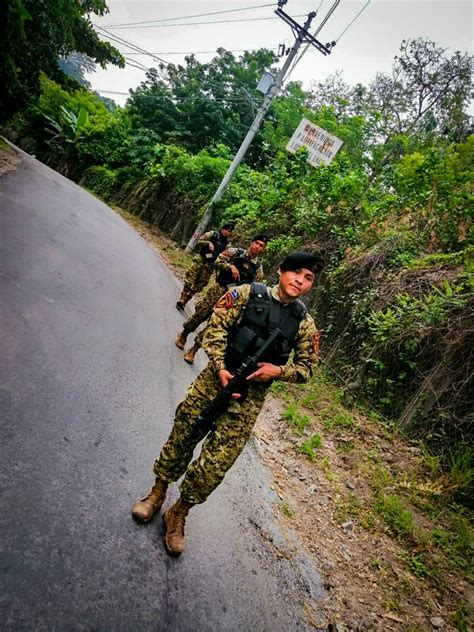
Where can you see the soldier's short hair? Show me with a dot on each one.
(260, 237)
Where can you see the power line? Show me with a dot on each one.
(153, 26)
(125, 42)
(351, 23)
(135, 62)
(201, 52)
(142, 67)
(188, 17)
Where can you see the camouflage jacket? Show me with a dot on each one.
(223, 262)
(229, 310)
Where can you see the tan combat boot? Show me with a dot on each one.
(173, 520)
(189, 356)
(181, 339)
(145, 508)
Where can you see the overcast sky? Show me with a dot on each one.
(368, 46)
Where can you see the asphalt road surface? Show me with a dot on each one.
(89, 380)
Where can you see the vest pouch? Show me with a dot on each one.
(239, 347)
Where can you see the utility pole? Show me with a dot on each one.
(302, 35)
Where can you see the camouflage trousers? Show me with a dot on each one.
(204, 306)
(196, 278)
(221, 447)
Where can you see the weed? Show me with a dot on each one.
(309, 446)
(278, 387)
(461, 617)
(460, 469)
(373, 455)
(286, 510)
(416, 564)
(346, 446)
(296, 419)
(380, 477)
(394, 514)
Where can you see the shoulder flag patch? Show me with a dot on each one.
(316, 337)
(234, 294)
(226, 300)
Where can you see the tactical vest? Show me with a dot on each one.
(220, 244)
(262, 315)
(246, 267)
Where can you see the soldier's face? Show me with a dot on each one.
(226, 232)
(257, 248)
(295, 283)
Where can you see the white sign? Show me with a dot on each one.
(321, 145)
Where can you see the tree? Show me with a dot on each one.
(34, 34)
(195, 105)
(77, 66)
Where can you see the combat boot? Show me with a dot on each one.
(180, 306)
(189, 355)
(173, 520)
(145, 508)
(181, 339)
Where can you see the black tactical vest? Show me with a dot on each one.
(220, 244)
(246, 267)
(262, 315)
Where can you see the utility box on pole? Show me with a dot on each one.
(265, 82)
(302, 35)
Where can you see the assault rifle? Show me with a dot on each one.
(237, 384)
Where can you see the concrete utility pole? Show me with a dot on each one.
(301, 35)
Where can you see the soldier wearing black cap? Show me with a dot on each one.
(244, 314)
(209, 246)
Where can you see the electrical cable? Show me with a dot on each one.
(188, 17)
(202, 52)
(127, 63)
(134, 61)
(153, 26)
(351, 23)
(125, 42)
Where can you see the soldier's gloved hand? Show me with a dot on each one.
(235, 273)
(265, 372)
(224, 378)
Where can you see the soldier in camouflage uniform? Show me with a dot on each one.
(233, 267)
(223, 444)
(209, 246)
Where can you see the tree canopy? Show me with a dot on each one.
(35, 34)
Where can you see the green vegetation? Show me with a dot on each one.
(298, 420)
(392, 213)
(287, 510)
(35, 34)
(308, 447)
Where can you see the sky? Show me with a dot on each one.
(366, 47)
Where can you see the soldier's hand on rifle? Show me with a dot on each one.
(224, 377)
(235, 273)
(265, 372)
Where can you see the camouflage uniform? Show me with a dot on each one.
(199, 272)
(223, 445)
(214, 291)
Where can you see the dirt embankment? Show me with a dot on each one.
(9, 158)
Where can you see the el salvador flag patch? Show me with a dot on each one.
(234, 294)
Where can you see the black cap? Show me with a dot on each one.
(260, 237)
(228, 226)
(296, 260)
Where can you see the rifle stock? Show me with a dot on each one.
(236, 385)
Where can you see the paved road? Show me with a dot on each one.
(89, 381)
